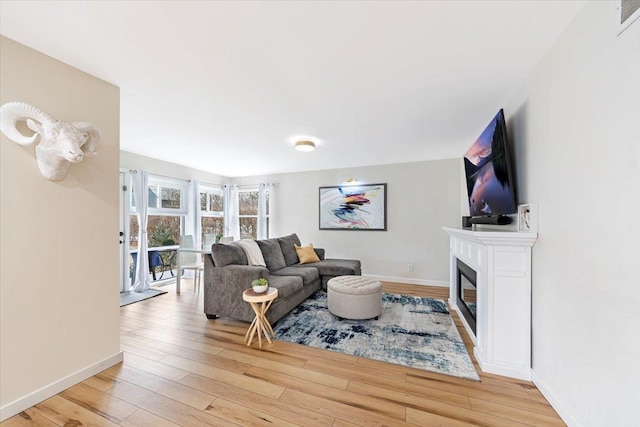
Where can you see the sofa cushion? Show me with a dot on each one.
(287, 245)
(272, 254)
(286, 285)
(308, 274)
(228, 254)
(306, 254)
(337, 267)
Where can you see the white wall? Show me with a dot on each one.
(576, 130)
(158, 167)
(422, 197)
(59, 309)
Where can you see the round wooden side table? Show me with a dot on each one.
(260, 304)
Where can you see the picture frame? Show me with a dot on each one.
(361, 207)
(528, 218)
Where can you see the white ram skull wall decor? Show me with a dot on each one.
(59, 143)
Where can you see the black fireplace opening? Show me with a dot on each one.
(467, 293)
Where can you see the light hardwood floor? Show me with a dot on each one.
(182, 369)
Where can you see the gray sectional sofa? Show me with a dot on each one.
(227, 274)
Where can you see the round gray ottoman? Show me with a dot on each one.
(354, 297)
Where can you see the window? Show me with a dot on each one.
(167, 208)
(211, 210)
(165, 196)
(248, 213)
(162, 230)
(248, 201)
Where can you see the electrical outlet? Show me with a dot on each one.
(409, 267)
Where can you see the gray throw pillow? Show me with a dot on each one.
(288, 249)
(272, 254)
(228, 254)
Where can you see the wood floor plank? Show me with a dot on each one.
(100, 382)
(29, 418)
(164, 407)
(171, 389)
(373, 404)
(294, 371)
(480, 393)
(516, 414)
(242, 381)
(285, 411)
(292, 359)
(427, 419)
(98, 402)
(158, 339)
(142, 418)
(215, 360)
(341, 423)
(371, 378)
(142, 351)
(457, 413)
(406, 399)
(353, 414)
(66, 413)
(244, 416)
(155, 368)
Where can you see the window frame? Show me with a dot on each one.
(209, 190)
(163, 182)
(251, 189)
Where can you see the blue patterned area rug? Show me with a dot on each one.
(411, 331)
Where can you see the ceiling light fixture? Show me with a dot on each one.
(305, 145)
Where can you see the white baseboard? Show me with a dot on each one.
(408, 280)
(554, 401)
(17, 406)
(505, 371)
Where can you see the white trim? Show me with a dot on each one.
(454, 306)
(494, 368)
(407, 280)
(17, 406)
(559, 407)
(626, 24)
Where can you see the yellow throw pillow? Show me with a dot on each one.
(306, 254)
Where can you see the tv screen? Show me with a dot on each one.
(488, 171)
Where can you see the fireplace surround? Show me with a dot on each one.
(501, 261)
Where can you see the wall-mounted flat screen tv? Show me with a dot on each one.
(489, 173)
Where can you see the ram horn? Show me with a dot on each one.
(13, 112)
(92, 131)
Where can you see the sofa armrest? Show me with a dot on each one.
(223, 287)
(236, 276)
(319, 252)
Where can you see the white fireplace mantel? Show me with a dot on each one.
(502, 261)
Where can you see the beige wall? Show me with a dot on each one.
(575, 124)
(59, 309)
(422, 197)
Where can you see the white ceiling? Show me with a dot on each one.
(224, 86)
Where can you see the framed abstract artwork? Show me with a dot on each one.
(353, 207)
